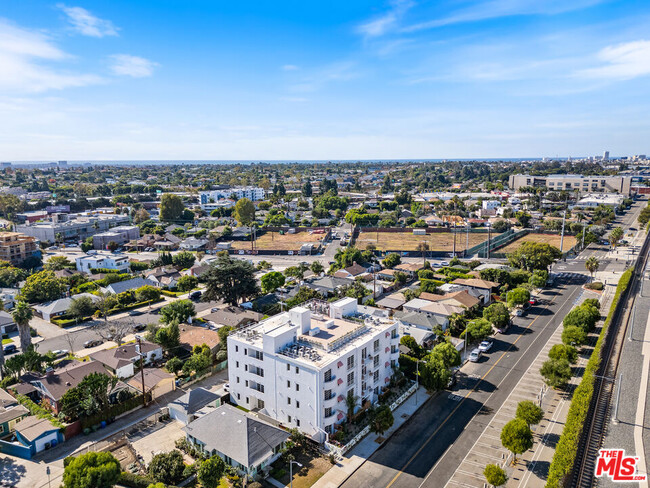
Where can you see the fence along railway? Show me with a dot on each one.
(606, 381)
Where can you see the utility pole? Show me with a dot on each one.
(487, 252)
(138, 349)
(629, 337)
(467, 238)
(417, 380)
(563, 222)
(584, 230)
(618, 397)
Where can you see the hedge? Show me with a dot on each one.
(63, 323)
(567, 446)
(131, 306)
(168, 293)
(131, 480)
(112, 411)
(40, 412)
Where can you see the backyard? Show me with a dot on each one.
(314, 466)
(552, 239)
(280, 242)
(407, 241)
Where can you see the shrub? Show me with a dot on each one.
(131, 480)
(596, 285)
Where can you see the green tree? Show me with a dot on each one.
(615, 236)
(187, 283)
(477, 330)
(112, 246)
(351, 401)
(534, 255)
(584, 316)
(564, 351)
(556, 373)
(197, 363)
(317, 267)
(447, 353)
(538, 279)
(146, 293)
(177, 311)
(434, 374)
(592, 264)
(230, 280)
(380, 419)
(89, 397)
(523, 218)
(174, 365)
(167, 467)
(41, 287)
(644, 216)
(81, 307)
(211, 471)
(168, 337)
(244, 211)
(91, 470)
(183, 260)
(56, 263)
(400, 278)
(411, 343)
(392, 260)
(307, 189)
(518, 296)
(574, 335)
(529, 412)
(497, 314)
(495, 475)
(22, 314)
(516, 437)
(272, 281)
(171, 207)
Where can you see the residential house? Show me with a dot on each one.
(114, 262)
(37, 434)
(193, 404)
(424, 337)
(8, 297)
(164, 277)
(328, 285)
(169, 243)
(411, 269)
(233, 317)
(197, 336)
(11, 412)
(481, 289)
(351, 271)
(51, 310)
(421, 320)
(241, 439)
(193, 244)
(460, 298)
(157, 382)
(7, 324)
(394, 301)
(120, 361)
(132, 284)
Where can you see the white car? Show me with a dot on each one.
(444, 263)
(475, 355)
(59, 353)
(486, 345)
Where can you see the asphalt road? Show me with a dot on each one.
(432, 444)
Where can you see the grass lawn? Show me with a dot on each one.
(7, 341)
(274, 240)
(314, 466)
(552, 239)
(407, 241)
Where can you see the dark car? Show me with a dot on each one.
(92, 343)
(139, 327)
(10, 349)
(195, 295)
(135, 313)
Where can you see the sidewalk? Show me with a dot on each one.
(362, 451)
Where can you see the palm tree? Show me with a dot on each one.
(22, 314)
(351, 403)
(423, 247)
(592, 265)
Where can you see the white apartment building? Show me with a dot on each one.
(102, 261)
(594, 183)
(299, 366)
(490, 204)
(212, 197)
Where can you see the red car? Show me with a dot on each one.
(532, 301)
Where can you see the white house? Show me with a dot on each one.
(481, 289)
(115, 262)
(490, 204)
(120, 360)
(298, 367)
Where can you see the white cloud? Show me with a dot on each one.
(290, 67)
(24, 55)
(382, 24)
(135, 66)
(86, 23)
(621, 62)
(492, 9)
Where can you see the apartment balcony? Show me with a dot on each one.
(330, 401)
(329, 381)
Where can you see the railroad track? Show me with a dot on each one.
(599, 413)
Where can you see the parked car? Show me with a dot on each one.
(486, 345)
(92, 252)
(135, 313)
(519, 312)
(92, 343)
(533, 301)
(504, 329)
(139, 327)
(59, 353)
(10, 349)
(444, 263)
(226, 387)
(195, 295)
(214, 309)
(475, 355)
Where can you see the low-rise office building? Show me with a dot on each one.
(119, 235)
(593, 183)
(64, 227)
(298, 367)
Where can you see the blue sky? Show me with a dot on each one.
(323, 80)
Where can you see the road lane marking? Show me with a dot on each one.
(451, 414)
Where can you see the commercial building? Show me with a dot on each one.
(607, 184)
(16, 247)
(120, 235)
(299, 367)
(71, 227)
(598, 199)
(115, 262)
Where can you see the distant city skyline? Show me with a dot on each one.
(393, 80)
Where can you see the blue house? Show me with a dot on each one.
(37, 434)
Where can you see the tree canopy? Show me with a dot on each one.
(171, 207)
(244, 211)
(167, 467)
(42, 287)
(516, 436)
(211, 471)
(91, 470)
(177, 311)
(534, 255)
(230, 280)
(497, 314)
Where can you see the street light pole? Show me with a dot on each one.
(618, 397)
(417, 379)
(291, 463)
(138, 349)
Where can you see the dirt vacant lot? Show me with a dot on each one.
(552, 239)
(275, 241)
(406, 241)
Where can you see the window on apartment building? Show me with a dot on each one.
(375, 376)
(288, 400)
(375, 361)
(260, 403)
(297, 404)
(288, 384)
(246, 382)
(393, 334)
(297, 423)
(328, 412)
(236, 348)
(376, 345)
(364, 353)
(351, 362)
(288, 419)
(288, 367)
(297, 370)
(236, 364)
(328, 394)
(350, 378)
(237, 379)
(297, 387)
(238, 396)
(247, 400)
(246, 351)
(328, 375)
